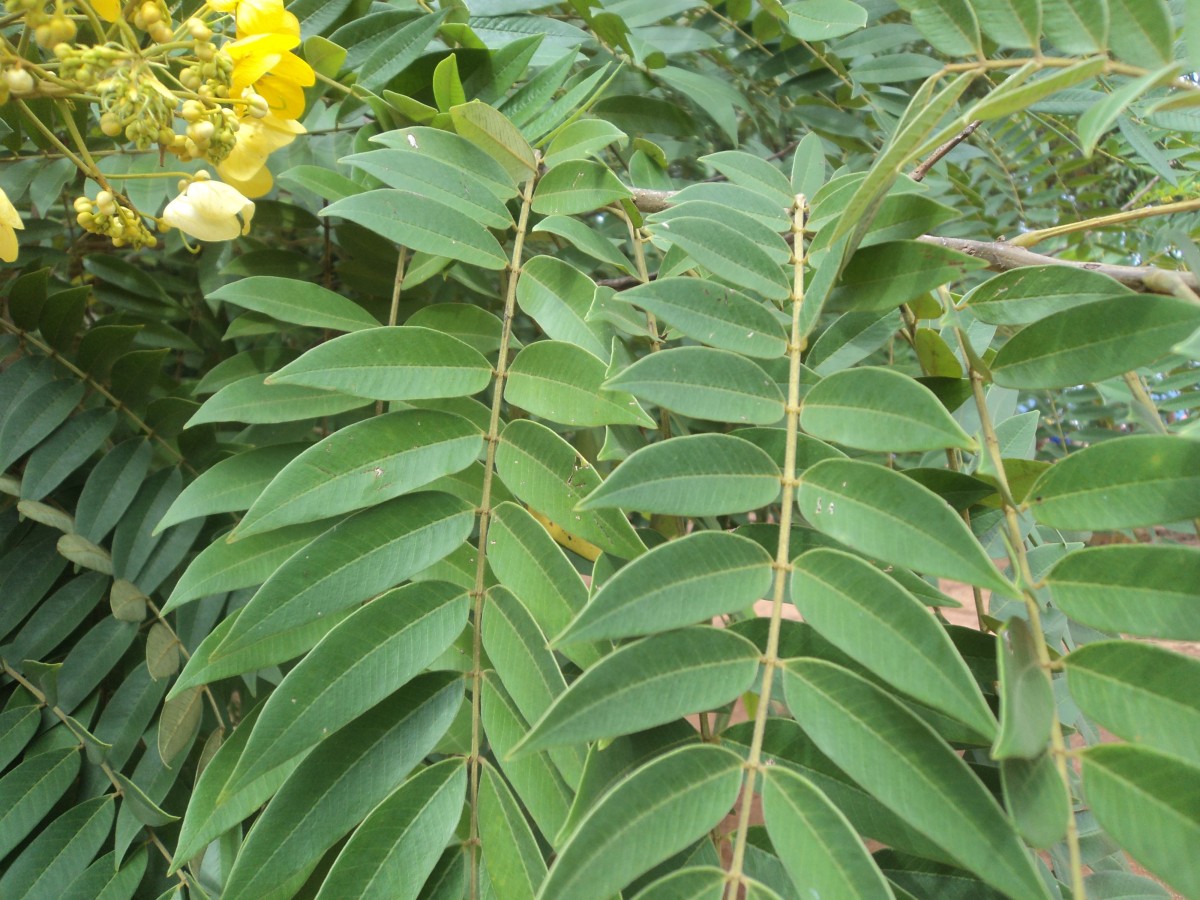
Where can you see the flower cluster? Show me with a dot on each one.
(225, 87)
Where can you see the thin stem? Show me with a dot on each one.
(783, 564)
(485, 514)
(1020, 563)
(394, 312)
(1144, 402)
(919, 173)
(1030, 238)
(51, 136)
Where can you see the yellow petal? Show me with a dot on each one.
(258, 184)
(108, 10)
(210, 211)
(284, 98)
(8, 244)
(8, 213)
(265, 17)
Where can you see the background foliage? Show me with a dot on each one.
(566, 333)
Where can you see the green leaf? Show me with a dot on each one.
(422, 222)
(517, 648)
(531, 565)
(696, 475)
(712, 314)
(883, 276)
(35, 416)
(207, 817)
(64, 451)
(1148, 590)
(726, 253)
(1033, 292)
(705, 383)
(545, 471)
(1016, 94)
(1102, 115)
(821, 20)
(510, 851)
(678, 583)
(558, 296)
(491, 132)
(1139, 692)
(882, 626)
(297, 302)
(1011, 23)
(340, 782)
(399, 49)
(1036, 798)
(397, 363)
(1139, 798)
(583, 138)
(563, 383)
(447, 147)
(923, 114)
(230, 485)
(577, 186)
(880, 409)
(903, 762)
(1093, 342)
(1145, 33)
(753, 172)
(657, 811)
(1026, 695)
(585, 239)
(17, 726)
(362, 465)
(649, 682)
(1077, 26)
(397, 846)
(251, 400)
(224, 566)
(60, 852)
(437, 179)
(882, 513)
(818, 846)
(363, 660)
(949, 25)
(534, 777)
(29, 792)
(323, 182)
(1126, 483)
(367, 553)
(692, 883)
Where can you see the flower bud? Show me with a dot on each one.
(210, 211)
(19, 81)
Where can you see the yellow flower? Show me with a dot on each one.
(108, 10)
(262, 59)
(246, 165)
(210, 211)
(10, 223)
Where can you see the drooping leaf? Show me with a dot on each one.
(510, 851)
(491, 132)
(881, 513)
(676, 584)
(398, 844)
(1137, 480)
(558, 296)
(657, 811)
(362, 465)
(903, 762)
(646, 683)
(818, 847)
(696, 475)
(727, 254)
(1026, 695)
(875, 620)
(254, 401)
(577, 186)
(400, 363)
(1146, 590)
(883, 276)
(873, 408)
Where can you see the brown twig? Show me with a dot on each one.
(922, 169)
